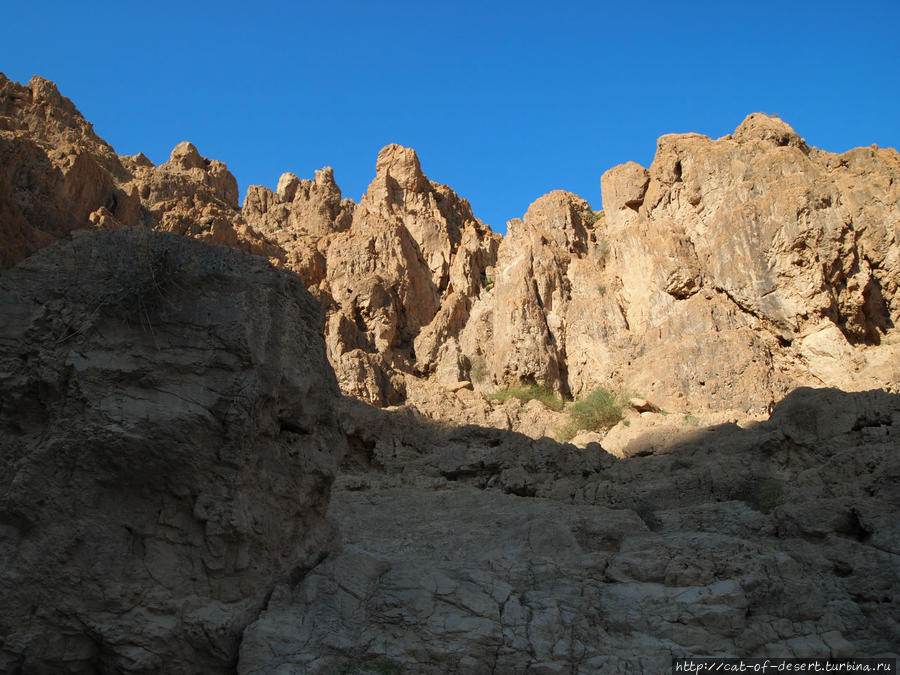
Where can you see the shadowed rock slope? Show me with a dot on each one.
(475, 550)
(167, 445)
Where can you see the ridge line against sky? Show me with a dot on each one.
(502, 102)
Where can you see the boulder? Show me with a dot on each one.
(167, 443)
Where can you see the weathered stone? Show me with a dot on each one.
(535, 556)
(167, 442)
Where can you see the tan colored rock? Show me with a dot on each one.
(465, 384)
(740, 251)
(624, 187)
(642, 405)
(401, 277)
(59, 173)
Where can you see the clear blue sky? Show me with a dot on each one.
(503, 102)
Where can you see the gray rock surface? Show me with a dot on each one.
(496, 553)
(167, 444)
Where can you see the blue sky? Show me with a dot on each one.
(503, 102)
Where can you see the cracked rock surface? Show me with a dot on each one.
(167, 444)
(475, 550)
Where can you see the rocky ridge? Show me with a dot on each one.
(171, 429)
(755, 249)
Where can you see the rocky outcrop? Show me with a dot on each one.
(401, 279)
(60, 176)
(475, 550)
(58, 171)
(167, 444)
(753, 250)
(299, 216)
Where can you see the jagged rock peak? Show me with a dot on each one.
(769, 128)
(185, 158)
(287, 186)
(624, 186)
(39, 108)
(401, 164)
(45, 91)
(186, 155)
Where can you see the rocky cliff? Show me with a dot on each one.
(173, 448)
(754, 249)
(167, 444)
(57, 176)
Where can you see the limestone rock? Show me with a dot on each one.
(624, 187)
(299, 216)
(59, 172)
(754, 250)
(167, 442)
(402, 276)
(472, 550)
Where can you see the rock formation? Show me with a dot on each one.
(170, 427)
(167, 444)
(475, 550)
(60, 176)
(755, 249)
(397, 272)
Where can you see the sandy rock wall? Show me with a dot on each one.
(754, 250)
(168, 441)
(61, 177)
(400, 280)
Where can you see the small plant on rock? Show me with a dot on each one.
(590, 218)
(478, 369)
(599, 410)
(529, 391)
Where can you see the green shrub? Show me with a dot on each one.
(600, 252)
(599, 410)
(692, 420)
(590, 218)
(526, 392)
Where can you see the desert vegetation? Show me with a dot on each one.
(529, 391)
(601, 409)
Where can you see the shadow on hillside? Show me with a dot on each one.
(822, 443)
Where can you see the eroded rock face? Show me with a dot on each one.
(401, 279)
(753, 250)
(474, 550)
(57, 170)
(168, 441)
(299, 217)
(60, 176)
